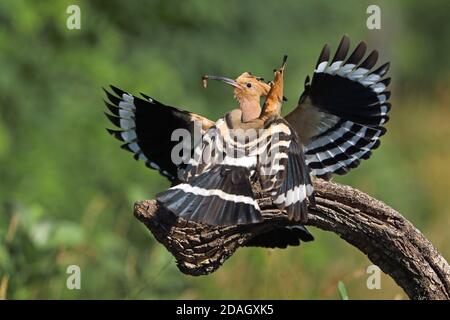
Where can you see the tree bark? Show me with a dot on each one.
(384, 235)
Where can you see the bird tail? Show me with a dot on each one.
(220, 196)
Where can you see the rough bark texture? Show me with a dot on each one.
(385, 236)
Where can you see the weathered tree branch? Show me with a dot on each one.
(386, 237)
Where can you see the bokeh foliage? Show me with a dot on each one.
(67, 190)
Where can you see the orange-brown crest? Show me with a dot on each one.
(274, 99)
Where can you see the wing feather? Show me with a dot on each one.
(146, 126)
(341, 114)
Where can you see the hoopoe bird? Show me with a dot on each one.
(240, 149)
(339, 120)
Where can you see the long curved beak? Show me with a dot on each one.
(229, 81)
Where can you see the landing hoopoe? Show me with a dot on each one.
(240, 149)
(339, 120)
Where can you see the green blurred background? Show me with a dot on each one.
(67, 190)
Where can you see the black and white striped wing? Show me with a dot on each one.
(220, 196)
(287, 177)
(208, 153)
(217, 188)
(146, 128)
(341, 113)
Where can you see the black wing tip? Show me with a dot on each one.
(112, 98)
(324, 54)
(383, 69)
(326, 47)
(145, 96)
(362, 44)
(106, 92)
(117, 91)
(345, 38)
(307, 80)
(114, 120)
(342, 49)
(371, 60)
(112, 131)
(115, 133)
(357, 54)
(374, 52)
(113, 109)
(386, 81)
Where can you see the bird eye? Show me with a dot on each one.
(249, 85)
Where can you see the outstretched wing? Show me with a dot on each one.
(341, 113)
(216, 187)
(220, 196)
(146, 128)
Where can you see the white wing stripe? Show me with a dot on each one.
(298, 194)
(370, 79)
(124, 113)
(134, 147)
(127, 105)
(321, 67)
(334, 167)
(378, 87)
(357, 73)
(346, 69)
(334, 67)
(335, 151)
(346, 127)
(247, 162)
(126, 124)
(382, 98)
(216, 192)
(128, 136)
